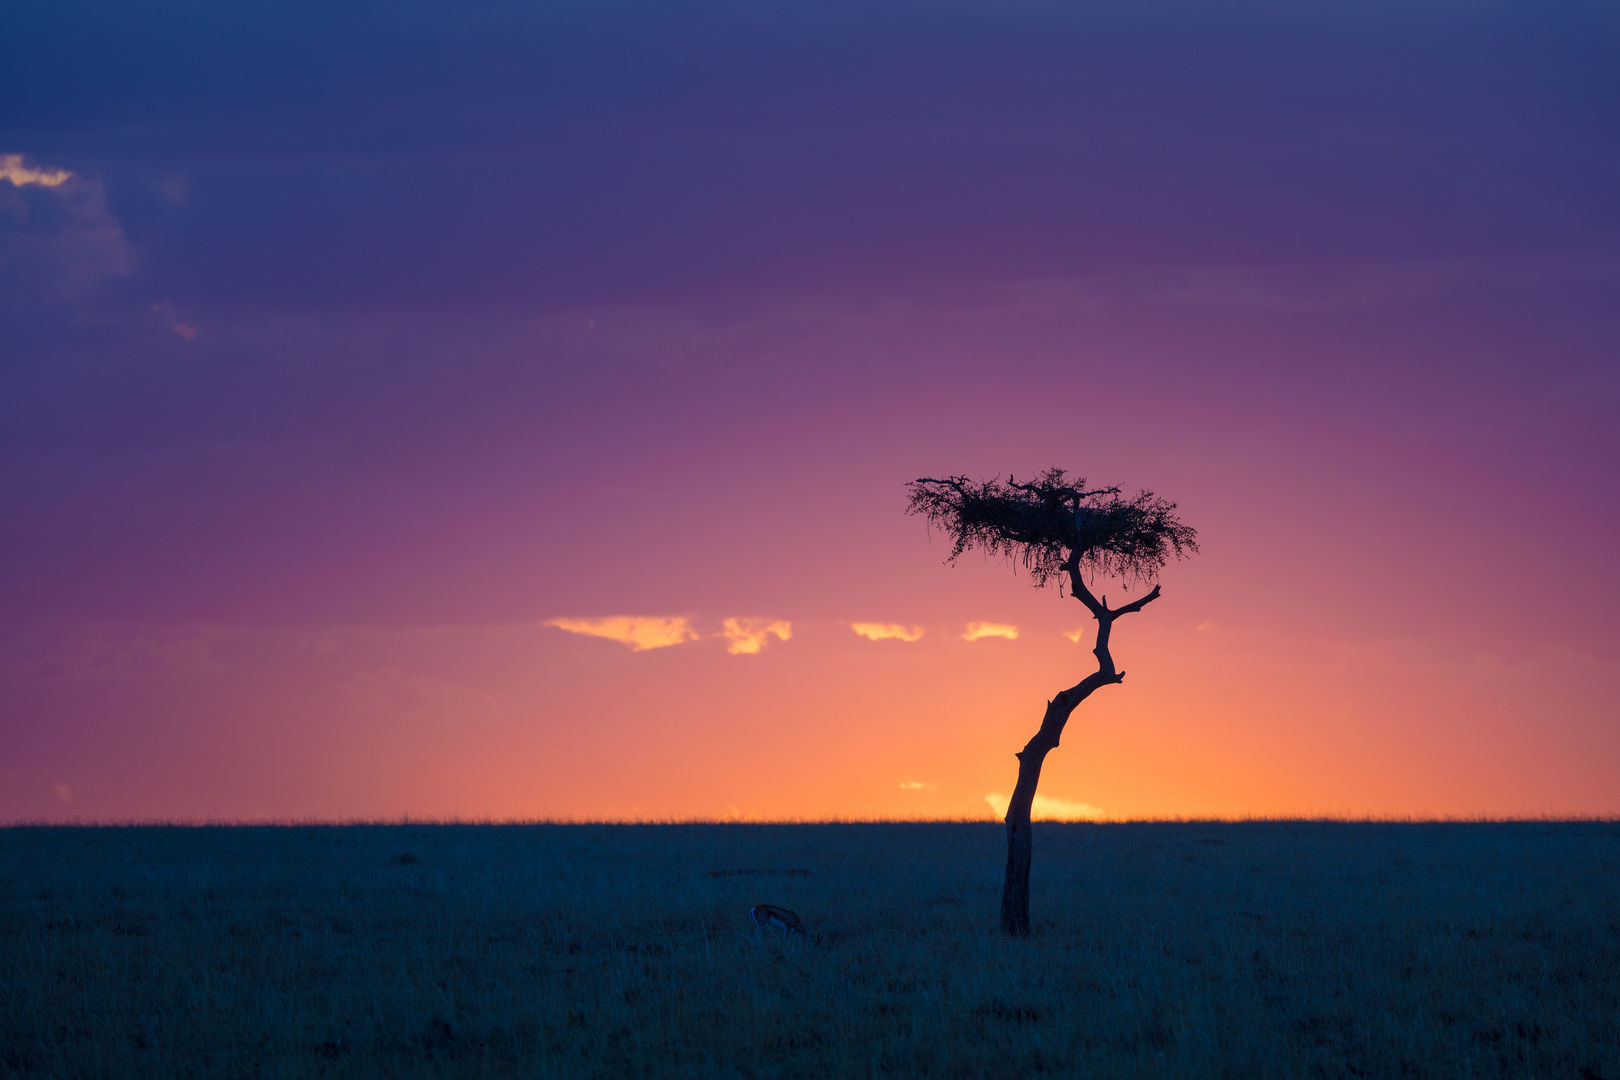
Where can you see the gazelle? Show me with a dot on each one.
(766, 916)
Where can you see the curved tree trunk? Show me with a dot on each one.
(1020, 840)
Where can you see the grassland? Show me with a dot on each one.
(1265, 949)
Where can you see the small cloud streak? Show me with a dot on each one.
(1075, 635)
(165, 312)
(640, 632)
(172, 190)
(917, 785)
(64, 793)
(748, 636)
(1045, 809)
(978, 630)
(20, 175)
(880, 631)
(93, 651)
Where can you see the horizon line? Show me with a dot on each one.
(447, 822)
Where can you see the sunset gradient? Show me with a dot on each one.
(509, 415)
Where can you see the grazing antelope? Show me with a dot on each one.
(769, 915)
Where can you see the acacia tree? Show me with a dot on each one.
(1057, 529)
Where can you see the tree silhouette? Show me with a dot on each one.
(1056, 529)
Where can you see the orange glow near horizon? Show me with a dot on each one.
(1266, 681)
(517, 722)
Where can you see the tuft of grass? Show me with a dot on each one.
(1259, 949)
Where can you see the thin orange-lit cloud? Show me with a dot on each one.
(20, 175)
(1048, 809)
(917, 785)
(640, 632)
(165, 312)
(978, 630)
(748, 636)
(874, 631)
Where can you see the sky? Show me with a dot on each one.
(489, 410)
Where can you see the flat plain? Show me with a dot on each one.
(1247, 949)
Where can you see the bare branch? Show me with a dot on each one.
(1135, 605)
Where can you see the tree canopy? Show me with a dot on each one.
(1055, 525)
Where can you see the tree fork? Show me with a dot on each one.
(1020, 837)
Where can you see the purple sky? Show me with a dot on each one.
(388, 333)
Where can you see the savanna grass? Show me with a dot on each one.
(1264, 949)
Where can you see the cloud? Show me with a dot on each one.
(1045, 809)
(63, 792)
(95, 651)
(749, 635)
(165, 313)
(640, 632)
(917, 785)
(57, 237)
(879, 631)
(1322, 287)
(20, 175)
(398, 692)
(978, 630)
(171, 189)
(1075, 635)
